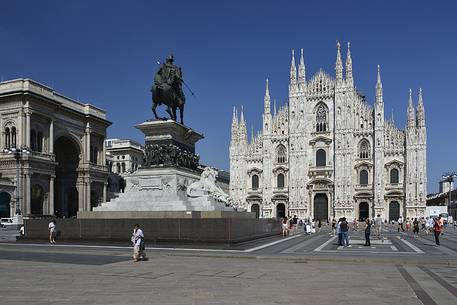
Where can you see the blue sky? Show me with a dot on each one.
(104, 52)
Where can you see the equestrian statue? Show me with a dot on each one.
(167, 90)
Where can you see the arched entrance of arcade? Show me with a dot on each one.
(65, 192)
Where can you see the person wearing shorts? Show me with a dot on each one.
(52, 232)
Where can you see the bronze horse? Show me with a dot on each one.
(168, 96)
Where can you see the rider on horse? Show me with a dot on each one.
(171, 75)
(167, 88)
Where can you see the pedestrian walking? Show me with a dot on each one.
(333, 227)
(367, 232)
(408, 224)
(400, 224)
(344, 227)
(338, 231)
(285, 229)
(319, 225)
(294, 222)
(138, 244)
(437, 228)
(355, 225)
(416, 227)
(52, 232)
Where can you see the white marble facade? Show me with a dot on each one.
(328, 153)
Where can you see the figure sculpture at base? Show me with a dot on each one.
(206, 186)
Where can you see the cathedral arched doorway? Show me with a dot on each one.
(65, 192)
(94, 199)
(37, 200)
(280, 210)
(394, 210)
(364, 211)
(255, 208)
(321, 207)
(5, 205)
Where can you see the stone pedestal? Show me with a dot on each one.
(168, 143)
(170, 168)
(161, 189)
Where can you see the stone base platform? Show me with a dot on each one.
(164, 214)
(227, 230)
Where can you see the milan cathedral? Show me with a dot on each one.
(328, 153)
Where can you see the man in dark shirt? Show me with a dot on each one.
(344, 227)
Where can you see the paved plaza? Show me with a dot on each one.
(300, 269)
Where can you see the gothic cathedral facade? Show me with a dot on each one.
(328, 153)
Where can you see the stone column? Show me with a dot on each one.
(87, 184)
(51, 195)
(105, 186)
(88, 143)
(51, 137)
(81, 195)
(26, 192)
(27, 128)
(103, 158)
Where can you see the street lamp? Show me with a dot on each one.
(449, 177)
(17, 153)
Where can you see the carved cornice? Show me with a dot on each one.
(321, 137)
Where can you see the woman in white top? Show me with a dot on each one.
(52, 232)
(138, 243)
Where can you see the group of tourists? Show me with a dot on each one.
(292, 225)
(429, 225)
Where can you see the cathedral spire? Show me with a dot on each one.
(274, 107)
(293, 70)
(420, 111)
(339, 63)
(234, 117)
(266, 99)
(252, 134)
(411, 115)
(242, 121)
(379, 98)
(349, 78)
(301, 70)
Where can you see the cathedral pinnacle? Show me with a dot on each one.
(379, 98)
(242, 121)
(234, 117)
(411, 115)
(339, 63)
(420, 111)
(293, 69)
(266, 99)
(301, 69)
(349, 65)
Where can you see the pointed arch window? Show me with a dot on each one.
(363, 178)
(281, 154)
(255, 182)
(13, 136)
(364, 149)
(280, 180)
(321, 118)
(321, 158)
(394, 176)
